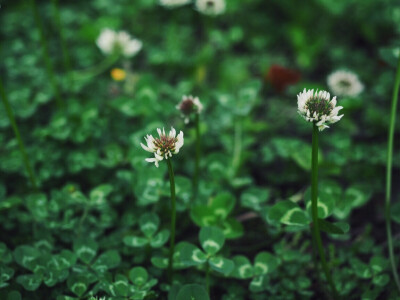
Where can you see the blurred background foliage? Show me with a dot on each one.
(256, 150)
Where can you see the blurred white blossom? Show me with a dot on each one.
(345, 83)
(211, 7)
(163, 146)
(174, 3)
(318, 108)
(110, 41)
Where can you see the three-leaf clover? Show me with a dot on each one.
(264, 264)
(136, 287)
(212, 240)
(149, 224)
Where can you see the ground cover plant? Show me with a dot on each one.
(205, 149)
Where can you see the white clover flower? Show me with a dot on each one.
(211, 7)
(318, 108)
(189, 105)
(110, 41)
(174, 3)
(164, 146)
(345, 83)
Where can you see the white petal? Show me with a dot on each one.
(146, 148)
(172, 132)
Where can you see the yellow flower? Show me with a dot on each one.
(118, 74)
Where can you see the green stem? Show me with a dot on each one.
(237, 146)
(96, 70)
(66, 56)
(83, 217)
(17, 135)
(49, 65)
(197, 161)
(314, 204)
(207, 278)
(389, 175)
(173, 220)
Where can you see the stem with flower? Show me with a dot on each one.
(319, 109)
(314, 209)
(163, 147)
(389, 175)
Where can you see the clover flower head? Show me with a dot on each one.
(345, 83)
(174, 3)
(110, 41)
(211, 7)
(189, 105)
(318, 108)
(163, 146)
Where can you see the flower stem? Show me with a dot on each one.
(173, 220)
(95, 70)
(314, 204)
(66, 56)
(17, 135)
(49, 65)
(197, 161)
(389, 175)
(237, 146)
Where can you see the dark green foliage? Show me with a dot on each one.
(98, 226)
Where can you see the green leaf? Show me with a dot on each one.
(120, 287)
(333, 228)
(77, 284)
(379, 264)
(26, 256)
(326, 202)
(30, 282)
(149, 224)
(243, 268)
(254, 198)
(138, 276)
(6, 274)
(160, 262)
(265, 263)
(381, 280)
(288, 213)
(65, 260)
(232, 228)
(222, 205)
(361, 269)
(99, 194)
(192, 292)
(14, 295)
(302, 156)
(160, 239)
(211, 239)
(203, 216)
(183, 186)
(135, 241)
(108, 260)
(258, 284)
(357, 195)
(191, 255)
(85, 249)
(221, 264)
(37, 205)
(5, 254)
